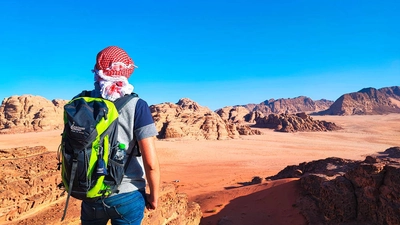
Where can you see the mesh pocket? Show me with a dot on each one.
(116, 173)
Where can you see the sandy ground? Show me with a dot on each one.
(212, 173)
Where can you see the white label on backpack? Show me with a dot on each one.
(77, 129)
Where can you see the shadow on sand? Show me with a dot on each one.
(273, 203)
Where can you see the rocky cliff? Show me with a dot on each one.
(30, 113)
(292, 105)
(340, 191)
(294, 123)
(235, 114)
(187, 119)
(368, 101)
(29, 193)
(251, 112)
(28, 179)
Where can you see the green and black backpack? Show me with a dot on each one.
(90, 157)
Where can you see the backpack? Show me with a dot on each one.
(90, 157)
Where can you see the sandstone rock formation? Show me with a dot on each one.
(294, 123)
(252, 112)
(187, 119)
(29, 180)
(368, 101)
(246, 130)
(30, 113)
(234, 114)
(339, 191)
(174, 209)
(29, 193)
(292, 105)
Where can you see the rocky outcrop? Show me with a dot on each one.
(234, 114)
(187, 119)
(339, 191)
(29, 193)
(246, 130)
(30, 113)
(294, 123)
(368, 101)
(251, 112)
(292, 105)
(29, 180)
(174, 209)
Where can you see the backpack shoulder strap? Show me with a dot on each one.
(73, 173)
(85, 94)
(121, 102)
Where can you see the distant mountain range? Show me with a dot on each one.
(368, 101)
(290, 105)
(34, 113)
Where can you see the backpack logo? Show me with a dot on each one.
(77, 129)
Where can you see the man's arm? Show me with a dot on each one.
(152, 169)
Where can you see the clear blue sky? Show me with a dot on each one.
(215, 52)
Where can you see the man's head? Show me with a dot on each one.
(111, 72)
(114, 62)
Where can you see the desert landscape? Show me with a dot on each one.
(267, 112)
(210, 172)
(224, 178)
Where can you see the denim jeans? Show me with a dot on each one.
(126, 208)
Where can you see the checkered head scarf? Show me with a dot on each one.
(112, 69)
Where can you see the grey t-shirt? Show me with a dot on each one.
(131, 128)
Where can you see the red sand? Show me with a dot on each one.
(210, 172)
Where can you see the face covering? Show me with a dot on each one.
(112, 87)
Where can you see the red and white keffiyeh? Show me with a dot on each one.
(112, 70)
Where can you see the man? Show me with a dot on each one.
(112, 69)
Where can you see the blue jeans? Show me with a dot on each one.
(126, 208)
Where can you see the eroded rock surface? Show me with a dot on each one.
(28, 113)
(29, 193)
(187, 119)
(29, 180)
(292, 105)
(251, 112)
(174, 209)
(368, 101)
(339, 191)
(234, 114)
(294, 123)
